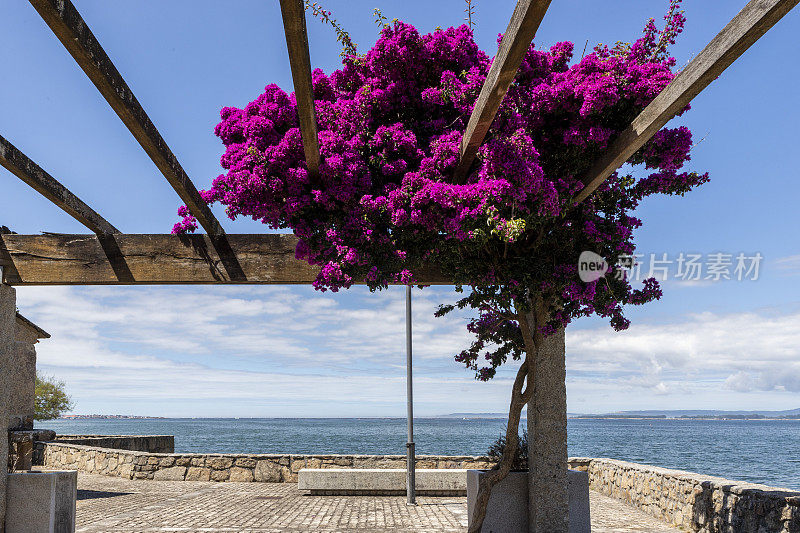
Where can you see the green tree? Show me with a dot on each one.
(51, 398)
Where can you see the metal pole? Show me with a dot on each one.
(410, 466)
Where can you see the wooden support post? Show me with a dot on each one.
(21, 166)
(7, 346)
(516, 41)
(746, 28)
(294, 25)
(548, 491)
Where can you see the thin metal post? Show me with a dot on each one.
(410, 466)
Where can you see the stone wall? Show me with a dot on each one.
(7, 346)
(270, 468)
(135, 443)
(695, 502)
(690, 501)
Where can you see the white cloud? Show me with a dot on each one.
(789, 265)
(277, 322)
(754, 351)
(198, 351)
(265, 343)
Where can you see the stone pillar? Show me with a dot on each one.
(548, 492)
(8, 303)
(22, 382)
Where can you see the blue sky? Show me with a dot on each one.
(289, 351)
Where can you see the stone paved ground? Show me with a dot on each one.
(114, 505)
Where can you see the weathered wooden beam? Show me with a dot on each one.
(515, 43)
(748, 26)
(294, 25)
(73, 32)
(21, 166)
(56, 259)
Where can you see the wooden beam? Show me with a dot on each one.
(21, 166)
(70, 28)
(515, 43)
(294, 25)
(752, 22)
(56, 259)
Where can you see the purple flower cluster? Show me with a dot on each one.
(385, 204)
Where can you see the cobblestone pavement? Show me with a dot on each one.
(614, 516)
(114, 505)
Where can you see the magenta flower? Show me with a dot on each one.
(390, 125)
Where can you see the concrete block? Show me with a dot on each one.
(41, 502)
(508, 505)
(135, 443)
(44, 435)
(381, 481)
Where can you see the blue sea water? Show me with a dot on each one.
(759, 451)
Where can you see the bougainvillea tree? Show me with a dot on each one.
(385, 204)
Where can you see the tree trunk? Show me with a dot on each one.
(548, 492)
(7, 347)
(543, 375)
(519, 397)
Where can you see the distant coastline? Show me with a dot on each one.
(110, 417)
(680, 414)
(793, 414)
(683, 417)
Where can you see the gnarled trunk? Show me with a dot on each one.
(518, 400)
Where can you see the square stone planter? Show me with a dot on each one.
(508, 506)
(41, 502)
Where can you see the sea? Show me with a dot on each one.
(758, 451)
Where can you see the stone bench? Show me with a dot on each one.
(381, 481)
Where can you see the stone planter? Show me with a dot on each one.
(508, 506)
(41, 502)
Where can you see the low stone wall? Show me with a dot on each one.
(695, 502)
(135, 443)
(690, 501)
(270, 468)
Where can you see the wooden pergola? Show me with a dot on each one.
(109, 257)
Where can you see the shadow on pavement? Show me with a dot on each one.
(84, 494)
